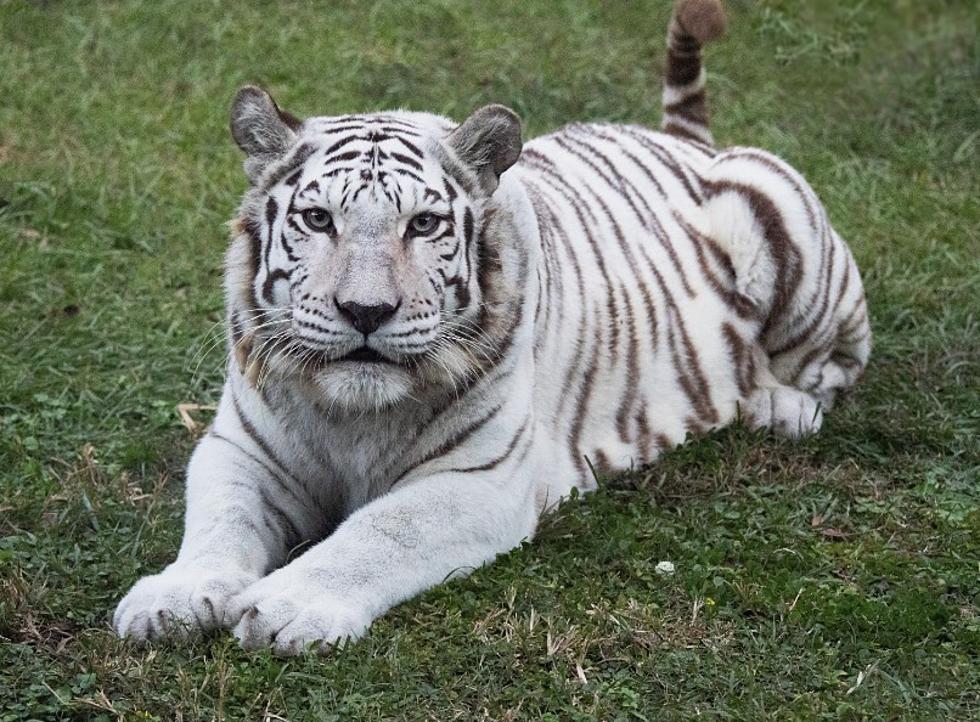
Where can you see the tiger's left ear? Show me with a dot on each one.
(489, 142)
(261, 129)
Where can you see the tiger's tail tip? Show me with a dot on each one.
(685, 104)
(703, 19)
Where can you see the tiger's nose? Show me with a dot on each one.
(366, 319)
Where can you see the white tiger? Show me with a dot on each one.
(432, 331)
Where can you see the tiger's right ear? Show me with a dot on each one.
(261, 129)
(489, 142)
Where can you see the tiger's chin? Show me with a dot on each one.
(362, 386)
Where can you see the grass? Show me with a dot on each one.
(838, 578)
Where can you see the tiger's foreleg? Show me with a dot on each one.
(405, 542)
(234, 531)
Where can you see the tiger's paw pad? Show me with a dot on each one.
(177, 602)
(787, 411)
(288, 621)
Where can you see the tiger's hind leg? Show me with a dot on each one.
(799, 277)
(825, 375)
(786, 410)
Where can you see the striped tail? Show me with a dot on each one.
(694, 23)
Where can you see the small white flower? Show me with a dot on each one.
(665, 568)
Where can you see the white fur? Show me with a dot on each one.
(352, 461)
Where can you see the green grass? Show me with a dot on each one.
(836, 578)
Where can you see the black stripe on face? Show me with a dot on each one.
(336, 158)
(253, 230)
(463, 177)
(343, 129)
(448, 233)
(468, 228)
(462, 292)
(271, 211)
(342, 142)
(389, 129)
(410, 174)
(341, 119)
(270, 281)
(450, 191)
(299, 157)
(237, 330)
(412, 148)
(337, 171)
(410, 162)
(360, 189)
(388, 120)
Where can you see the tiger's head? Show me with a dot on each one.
(370, 255)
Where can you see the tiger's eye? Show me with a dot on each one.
(422, 224)
(318, 220)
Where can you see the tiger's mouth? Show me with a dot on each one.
(364, 354)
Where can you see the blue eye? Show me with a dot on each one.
(423, 224)
(318, 220)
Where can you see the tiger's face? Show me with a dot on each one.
(362, 245)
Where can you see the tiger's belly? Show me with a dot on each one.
(639, 334)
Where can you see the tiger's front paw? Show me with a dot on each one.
(178, 601)
(287, 614)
